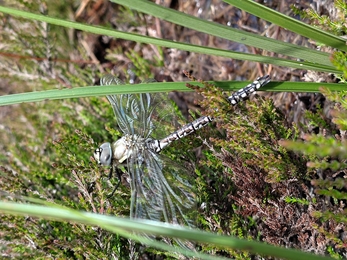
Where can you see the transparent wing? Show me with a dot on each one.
(133, 111)
(160, 189)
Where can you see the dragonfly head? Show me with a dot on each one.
(103, 154)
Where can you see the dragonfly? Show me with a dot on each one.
(160, 190)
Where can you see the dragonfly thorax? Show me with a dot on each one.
(122, 148)
(119, 151)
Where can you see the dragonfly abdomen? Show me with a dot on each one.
(243, 93)
(182, 132)
(234, 99)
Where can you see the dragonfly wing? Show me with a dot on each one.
(160, 190)
(133, 111)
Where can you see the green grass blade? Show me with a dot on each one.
(226, 32)
(157, 87)
(289, 23)
(116, 224)
(171, 44)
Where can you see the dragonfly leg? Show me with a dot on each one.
(110, 173)
(119, 174)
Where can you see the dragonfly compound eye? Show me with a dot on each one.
(103, 154)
